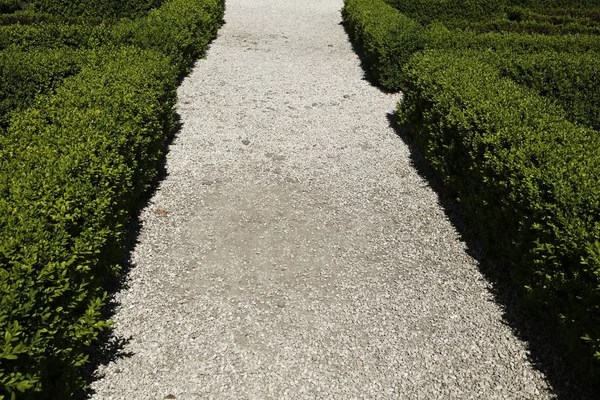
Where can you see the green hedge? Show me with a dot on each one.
(544, 22)
(527, 177)
(388, 39)
(54, 34)
(535, 27)
(30, 18)
(73, 164)
(438, 36)
(73, 167)
(180, 28)
(26, 74)
(96, 8)
(9, 6)
(570, 79)
(554, 4)
(427, 11)
(458, 11)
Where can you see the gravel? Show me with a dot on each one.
(293, 251)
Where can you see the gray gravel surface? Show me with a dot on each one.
(293, 251)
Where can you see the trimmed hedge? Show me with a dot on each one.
(554, 4)
(459, 11)
(570, 79)
(527, 177)
(48, 35)
(535, 27)
(96, 8)
(427, 11)
(73, 167)
(29, 18)
(74, 161)
(180, 28)
(389, 38)
(437, 36)
(386, 37)
(545, 22)
(26, 74)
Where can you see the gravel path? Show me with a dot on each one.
(293, 251)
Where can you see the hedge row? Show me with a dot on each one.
(544, 22)
(570, 79)
(525, 174)
(53, 34)
(30, 18)
(73, 164)
(37, 57)
(564, 27)
(96, 8)
(26, 74)
(459, 11)
(554, 4)
(388, 39)
(427, 11)
(179, 28)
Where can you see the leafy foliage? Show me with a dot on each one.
(73, 166)
(544, 22)
(26, 74)
(526, 175)
(510, 120)
(9, 6)
(180, 28)
(387, 38)
(96, 8)
(86, 109)
(570, 79)
(427, 11)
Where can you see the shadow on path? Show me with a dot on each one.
(541, 339)
(110, 346)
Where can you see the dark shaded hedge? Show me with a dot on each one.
(527, 177)
(570, 79)
(96, 8)
(544, 22)
(507, 119)
(9, 6)
(553, 4)
(27, 74)
(461, 11)
(388, 39)
(427, 11)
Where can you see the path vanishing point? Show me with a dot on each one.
(293, 251)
